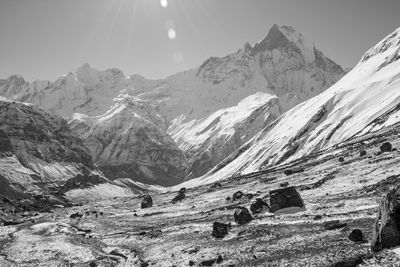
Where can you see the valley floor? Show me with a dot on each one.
(118, 232)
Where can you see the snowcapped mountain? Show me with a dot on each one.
(86, 90)
(209, 111)
(39, 153)
(365, 100)
(284, 67)
(130, 140)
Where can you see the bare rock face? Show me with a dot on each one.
(386, 229)
(285, 198)
(38, 152)
(130, 141)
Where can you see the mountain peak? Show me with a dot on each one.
(281, 36)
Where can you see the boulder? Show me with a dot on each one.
(220, 230)
(386, 147)
(147, 202)
(363, 153)
(259, 205)
(242, 216)
(356, 235)
(237, 195)
(179, 197)
(386, 229)
(341, 159)
(285, 198)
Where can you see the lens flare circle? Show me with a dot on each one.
(164, 3)
(171, 34)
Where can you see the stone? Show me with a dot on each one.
(182, 190)
(285, 198)
(284, 184)
(237, 195)
(147, 202)
(179, 197)
(259, 205)
(332, 225)
(220, 230)
(242, 216)
(356, 235)
(386, 147)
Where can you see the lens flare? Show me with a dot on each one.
(171, 34)
(164, 3)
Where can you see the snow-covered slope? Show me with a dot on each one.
(365, 100)
(130, 140)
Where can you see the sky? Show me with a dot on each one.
(44, 39)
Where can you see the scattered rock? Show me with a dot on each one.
(386, 229)
(237, 195)
(179, 197)
(285, 198)
(242, 216)
(341, 159)
(76, 215)
(332, 225)
(363, 153)
(220, 230)
(259, 205)
(284, 184)
(386, 147)
(356, 235)
(147, 202)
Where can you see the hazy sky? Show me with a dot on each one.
(43, 39)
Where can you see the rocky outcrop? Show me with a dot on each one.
(39, 153)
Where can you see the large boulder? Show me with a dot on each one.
(386, 229)
(242, 216)
(285, 198)
(147, 202)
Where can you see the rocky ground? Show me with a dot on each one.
(117, 232)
